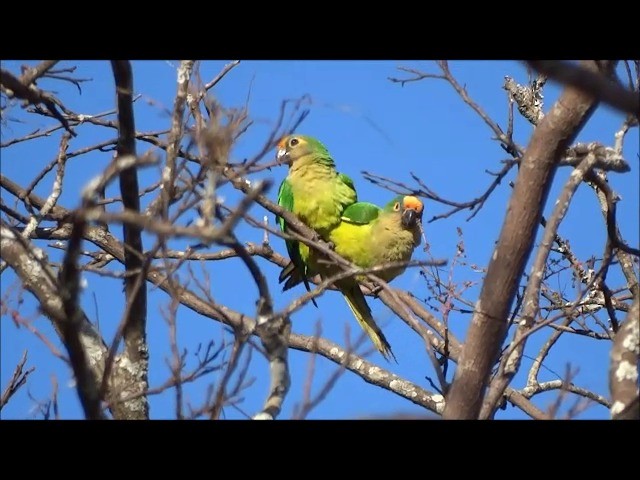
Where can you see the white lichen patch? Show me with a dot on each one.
(33, 269)
(183, 74)
(627, 371)
(93, 350)
(6, 236)
(617, 407)
(375, 373)
(440, 403)
(631, 341)
(166, 176)
(358, 364)
(403, 388)
(262, 416)
(495, 255)
(335, 351)
(529, 390)
(125, 364)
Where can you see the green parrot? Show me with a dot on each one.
(368, 236)
(315, 192)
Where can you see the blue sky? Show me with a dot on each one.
(367, 123)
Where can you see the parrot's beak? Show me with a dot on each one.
(409, 217)
(281, 156)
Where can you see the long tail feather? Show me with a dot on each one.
(358, 305)
(288, 273)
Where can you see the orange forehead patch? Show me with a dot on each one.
(412, 202)
(283, 142)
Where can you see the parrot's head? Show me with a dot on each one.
(294, 147)
(410, 209)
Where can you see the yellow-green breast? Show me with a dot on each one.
(319, 197)
(383, 240)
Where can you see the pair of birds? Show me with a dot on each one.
(361, 232)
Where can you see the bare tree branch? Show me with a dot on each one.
(197, 170)
(30, 75)
(14, 87)
(489, 323)
(18, 379)
(600, 87)
(528, 99)
(84, 344)
(136, 350)
(623, 372)
(511, 359)
(226, 69)
(175, 135)
(608, 201)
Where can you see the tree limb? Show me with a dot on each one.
(135, 336)
(549, 141)
(623, 372)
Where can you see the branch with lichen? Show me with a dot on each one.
(511, 359)
(490, 320)
(623, 371)
(527, 98)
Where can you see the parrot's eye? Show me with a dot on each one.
(396, 206)
(294, 142)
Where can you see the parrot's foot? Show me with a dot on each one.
(376, 290)
(317, 238)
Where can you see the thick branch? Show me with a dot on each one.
(623, 372)
(136, 350)
(531, 305)
(549, 141)
(84, 344)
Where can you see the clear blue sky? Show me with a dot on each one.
(368, 123)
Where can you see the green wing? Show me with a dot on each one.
(361, 213)
(296, 271)
(348, 182)
(285, 200)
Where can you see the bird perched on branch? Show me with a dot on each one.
(315, 192)
(361, 232)
(369, 236)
